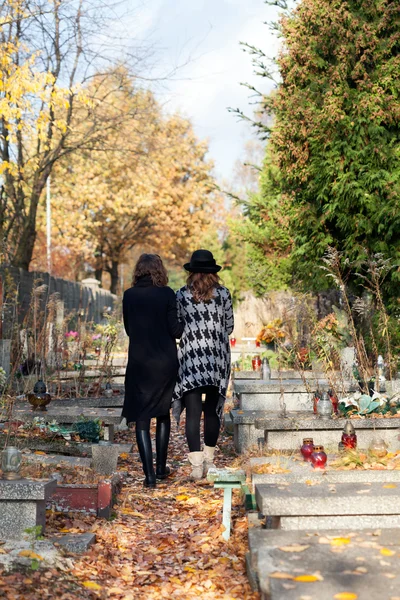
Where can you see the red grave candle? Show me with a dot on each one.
(307, 448)
(233, 342)
(349, 440)
(256, 363)
(318, 457)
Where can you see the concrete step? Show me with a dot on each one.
(338, 505)
(363, 563)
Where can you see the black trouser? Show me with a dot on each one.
(194, 407)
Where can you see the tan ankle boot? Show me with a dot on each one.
(208, 459)
(196, 459)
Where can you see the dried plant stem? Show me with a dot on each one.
(334, 269)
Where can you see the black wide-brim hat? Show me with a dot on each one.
(202, 261)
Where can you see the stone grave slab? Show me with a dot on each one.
(57, 459)
(58, 446)
(302, 472)
(284, 375)
(90, 374)
(364, 563)
(109, 416)
(288, 433)
(75, 542)
(245, 434)
(300, 506)
(23, 505)
(269, 395)
(240, 375)
(102, 402)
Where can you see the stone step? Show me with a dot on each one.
(301, 506)
(363, 563)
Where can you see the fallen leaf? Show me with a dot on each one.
(363, 491)
(387, 552)
(182, 497)
(132, 513)
(30, 554)
(308, 578)
(389, 575)
(92, 585)
(345, 596)
(279, 575)
(40, 453)
(390, 486)
(340, 541)
(294, 548)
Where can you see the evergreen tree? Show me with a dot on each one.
(265, 230)
(336, 134)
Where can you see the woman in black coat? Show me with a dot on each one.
(151, 322)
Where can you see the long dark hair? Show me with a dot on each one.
(151, 264)
(203, 285)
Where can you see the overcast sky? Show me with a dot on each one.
(204, 36)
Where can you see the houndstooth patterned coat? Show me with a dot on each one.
(204, 352)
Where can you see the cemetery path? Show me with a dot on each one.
(162, 543)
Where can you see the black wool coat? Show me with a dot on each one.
(151, 322)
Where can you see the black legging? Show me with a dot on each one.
(194, 407)
(144, 425)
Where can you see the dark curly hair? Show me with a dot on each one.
(151, 264)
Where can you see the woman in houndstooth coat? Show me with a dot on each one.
(205, 308)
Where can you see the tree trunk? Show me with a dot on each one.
(98, 273)
(24, 252)
(114, 276)
(99, 265)
(27, 238)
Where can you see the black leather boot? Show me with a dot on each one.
(163, 429)
(146, 454)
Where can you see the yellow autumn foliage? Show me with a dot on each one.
(149, 186)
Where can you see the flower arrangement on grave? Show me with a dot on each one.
(305, 357)
(89, 430)
(271, 332)
(72, 336)
(362, 405)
